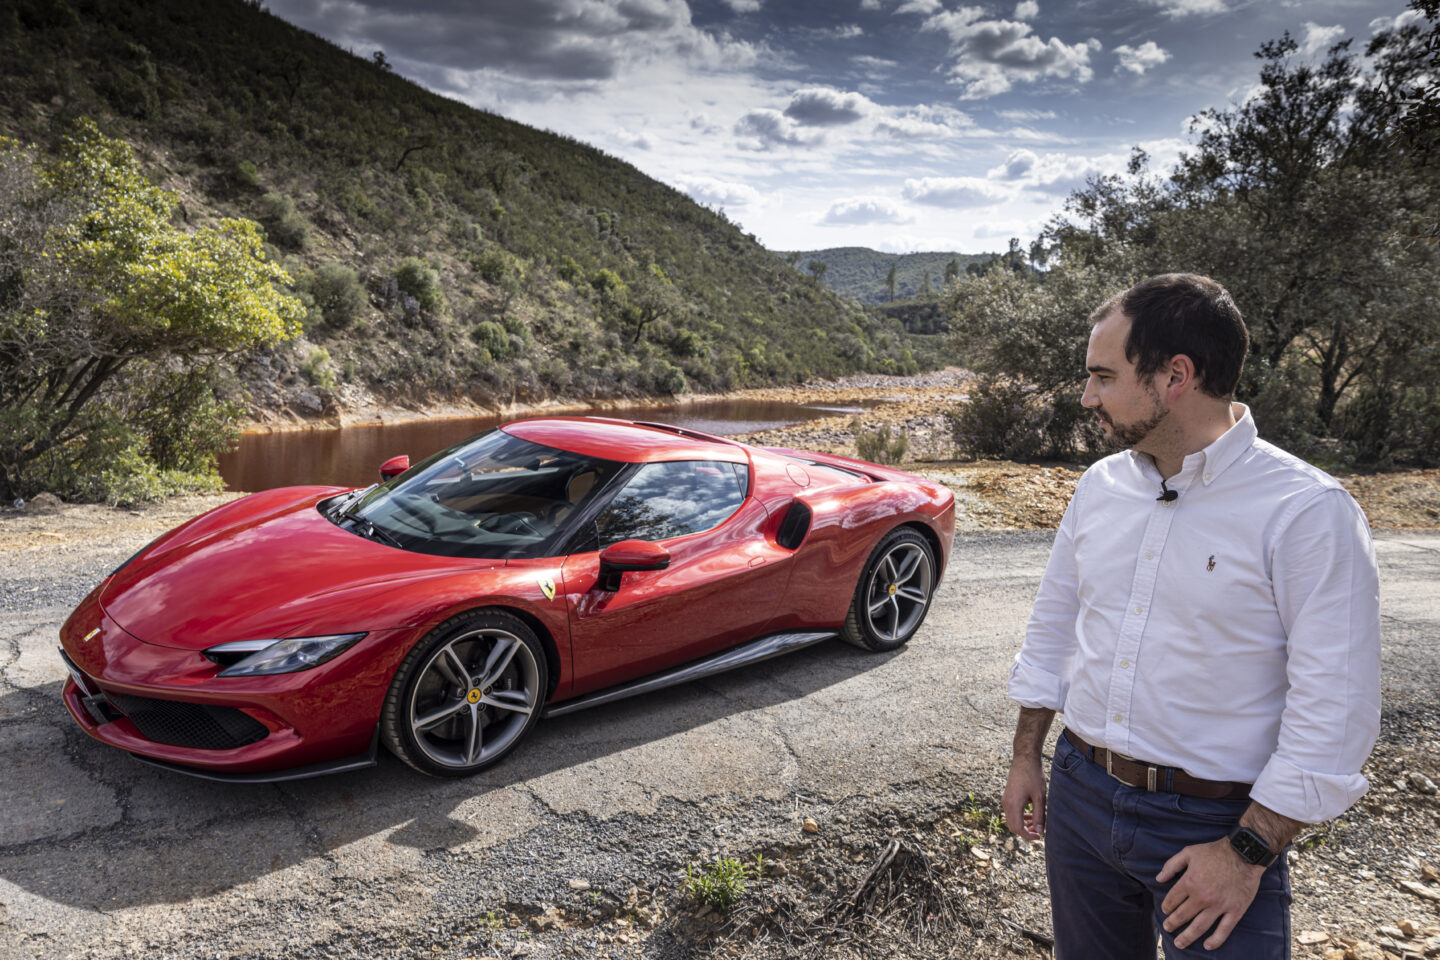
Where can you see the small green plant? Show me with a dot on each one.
(723, 882)
(492, 922)
(877, 446)
(977, 816)
(318, 369)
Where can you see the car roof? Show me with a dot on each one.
(626, 440)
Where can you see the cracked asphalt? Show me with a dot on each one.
(102, 857)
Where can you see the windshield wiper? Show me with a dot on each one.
(368, 529)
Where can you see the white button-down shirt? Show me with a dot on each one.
(1233, 633)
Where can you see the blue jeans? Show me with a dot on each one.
(1104, 844)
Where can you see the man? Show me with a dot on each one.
(1209, 624)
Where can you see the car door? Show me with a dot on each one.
(721, 587)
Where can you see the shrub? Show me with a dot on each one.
(318, 369)
(283, 224)
(492, 337)
(245, 175)
(667, 378)
(877, 446)
(1009, 421)
(338, 293)
(421, 281)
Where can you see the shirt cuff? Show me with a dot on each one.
(1304, 795)
(1032, 686)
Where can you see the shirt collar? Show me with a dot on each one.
(1215, 459)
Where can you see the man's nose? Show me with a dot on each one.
(1089, 398)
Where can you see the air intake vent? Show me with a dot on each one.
(794, 527)
(198, 725)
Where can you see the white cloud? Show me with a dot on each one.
(743, 6)
(922, 7)
(990, 55)
(864, 210)
(1026, 116)
(1139, 59)
(1027, 10)
(1184, 8)
(874, 64)
(1318, 37)
(639, 141)
(718, 192)
(869, 4)
(827, 107)
(1396, 22)
(952, 192)
(765, 128)
(1017, 165)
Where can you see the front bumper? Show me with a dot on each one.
(166, 705)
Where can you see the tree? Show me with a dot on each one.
(1290, 200)
(652, 297)
(952, 271)
(818, 270)
(890, 281)
(112, 321)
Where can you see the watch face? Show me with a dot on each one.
(1250, 847)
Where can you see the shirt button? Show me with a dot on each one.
(1117, 718)
(1139, 610)
(1208, 477)
(1149, 555)
(1125, 664)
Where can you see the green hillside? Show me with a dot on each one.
(444, 251)
(860, 272)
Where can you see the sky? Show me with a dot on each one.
(900, 125)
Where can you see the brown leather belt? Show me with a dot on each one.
(1147, 776)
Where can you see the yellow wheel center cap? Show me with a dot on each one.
(893, 588)
(474, 695)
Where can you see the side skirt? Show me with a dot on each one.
(752, 652)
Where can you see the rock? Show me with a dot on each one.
(1336, 954)
(980, 853)
(1393, 933)
(1308, 937)
(1428, 872)
(1422, 784)
(578, 884)
(778, 869)
(1408, 928)
(810, 825)
(1420, 890)
(1364, 951)
(44, 503)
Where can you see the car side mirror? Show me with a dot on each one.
(394, 467)
(617, 558)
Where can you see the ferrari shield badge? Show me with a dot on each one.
(547, 587)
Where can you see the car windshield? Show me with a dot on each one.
(494, 496)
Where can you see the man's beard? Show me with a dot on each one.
(1129, 434)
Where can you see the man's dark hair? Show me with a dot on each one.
(1177, 313)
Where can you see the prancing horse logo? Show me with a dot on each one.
(1211, 564)
(547, 587)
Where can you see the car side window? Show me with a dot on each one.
(664, 500)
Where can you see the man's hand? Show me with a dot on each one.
(1025, 787)
(1216, 890)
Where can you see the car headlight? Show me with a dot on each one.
(259, 658)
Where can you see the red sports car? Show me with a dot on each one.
(544, 567)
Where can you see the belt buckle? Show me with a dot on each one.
(1151, 771)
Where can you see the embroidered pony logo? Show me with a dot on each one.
(1211, 564)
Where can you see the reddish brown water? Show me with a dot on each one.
(351, 456)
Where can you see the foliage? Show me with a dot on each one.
(338, 293)
(318, 370)
(873, 277)
(283, 225)
(722, 883)
(112, 322)
(877, 446)
(418, 279)
(1292, 201)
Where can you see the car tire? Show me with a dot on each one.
(466, 695)
(894, 592)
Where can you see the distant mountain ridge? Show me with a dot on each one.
(860, 272)
(491, 260)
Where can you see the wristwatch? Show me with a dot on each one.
(1251, 848)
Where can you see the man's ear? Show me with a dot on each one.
(1180, 376)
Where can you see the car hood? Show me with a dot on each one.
(264, 566)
